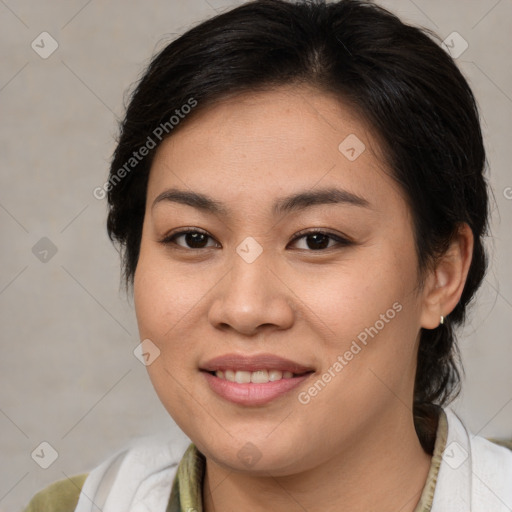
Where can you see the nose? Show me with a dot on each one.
(252, 298)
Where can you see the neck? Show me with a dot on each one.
(384, 470)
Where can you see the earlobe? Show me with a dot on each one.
(446, 281)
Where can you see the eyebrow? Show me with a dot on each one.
(294, 202)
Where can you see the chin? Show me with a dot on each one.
(256, 457)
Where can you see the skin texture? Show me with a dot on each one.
(353, 446)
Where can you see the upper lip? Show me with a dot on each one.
(253, 363)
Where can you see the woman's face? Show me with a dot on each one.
(253, 179)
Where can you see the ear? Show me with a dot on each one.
(445, 283)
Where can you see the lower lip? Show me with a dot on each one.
(252, 394)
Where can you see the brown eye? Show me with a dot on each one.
(190, 239)
(319, 240)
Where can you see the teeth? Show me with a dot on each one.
(258, 377)
(242, 377)
(275, 375)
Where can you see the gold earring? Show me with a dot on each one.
(442, 319)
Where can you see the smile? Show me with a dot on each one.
(255, 379)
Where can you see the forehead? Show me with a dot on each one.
(254, 146)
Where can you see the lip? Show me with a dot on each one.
(251, 394)
(254, 363)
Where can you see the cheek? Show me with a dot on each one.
(165, 302)
(165, 293)
(369, 313)
(346, 299)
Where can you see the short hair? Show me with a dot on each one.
(395, 76)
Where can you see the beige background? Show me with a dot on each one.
(67, 373)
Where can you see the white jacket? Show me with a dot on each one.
(475, 475)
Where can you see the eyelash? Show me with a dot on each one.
(170, 240)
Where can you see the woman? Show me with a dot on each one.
(298, 193)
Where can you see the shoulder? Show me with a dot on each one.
(474, 470)
(61, 496)
(493, 450)
(481, 449)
